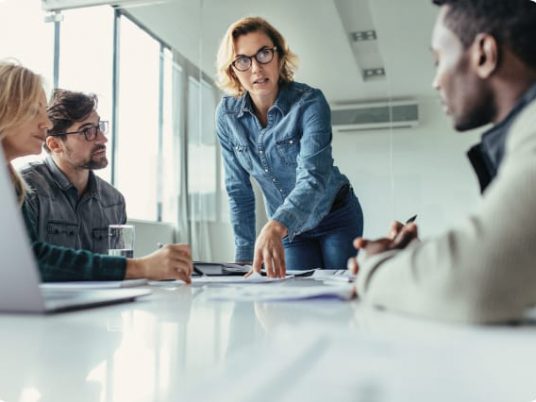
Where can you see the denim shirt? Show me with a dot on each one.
(64, 218)
(290, 159)
(486, 156)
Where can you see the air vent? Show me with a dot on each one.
(375, 116)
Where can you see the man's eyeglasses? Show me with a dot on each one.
(263, 56)
(89, 132)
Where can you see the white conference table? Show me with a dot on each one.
(178, 345)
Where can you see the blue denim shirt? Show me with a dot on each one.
(290, 159)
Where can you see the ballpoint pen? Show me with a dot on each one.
(412, 219)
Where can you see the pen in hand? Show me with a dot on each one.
(401, 238)
(412, 219)
(195, 269)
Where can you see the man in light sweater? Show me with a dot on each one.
(484, 270)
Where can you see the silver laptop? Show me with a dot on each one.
(19, 275)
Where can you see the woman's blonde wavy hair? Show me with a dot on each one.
(227, 80)
(20, 94)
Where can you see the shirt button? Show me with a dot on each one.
(266, 170)
(260, 151)
(273, 179)
(280, 190)
(290, 142)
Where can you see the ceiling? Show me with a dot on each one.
(315, 31)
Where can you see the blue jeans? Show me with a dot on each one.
(329, 245)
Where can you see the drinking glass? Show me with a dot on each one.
(121, 240)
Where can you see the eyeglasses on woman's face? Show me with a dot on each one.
(89, 132)
(264, 56)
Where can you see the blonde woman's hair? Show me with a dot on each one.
(20, 94)
(227, 79)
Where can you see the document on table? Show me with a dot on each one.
(282, 293)
(333, 275)
(85, 285)
(237, 280)
(254, 279)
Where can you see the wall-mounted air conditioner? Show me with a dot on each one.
(376, 115)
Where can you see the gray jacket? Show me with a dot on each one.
(483, 270)
(63, 218)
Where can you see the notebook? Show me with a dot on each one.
(19, 275)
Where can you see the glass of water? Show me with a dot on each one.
(121, 240)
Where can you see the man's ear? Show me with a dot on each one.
(55, 144)
(485, 55)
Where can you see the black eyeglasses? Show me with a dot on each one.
(90, 132)
(263, 56)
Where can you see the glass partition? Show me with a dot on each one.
(86, 63)
(390, 136)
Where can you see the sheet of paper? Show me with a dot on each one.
(255, 279)
(333, 275)
(83, 285)
(281, 293)
(240, 280)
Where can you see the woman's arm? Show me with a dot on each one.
(315, 165)
(240, 193)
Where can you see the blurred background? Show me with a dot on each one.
(152, 65)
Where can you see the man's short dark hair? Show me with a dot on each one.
(511, 22)
(66, 108)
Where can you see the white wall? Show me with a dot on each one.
(427, 173)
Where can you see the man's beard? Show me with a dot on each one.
(95, 164)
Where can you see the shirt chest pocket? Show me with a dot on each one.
(243, 155)
(100, 240)
(62, 233)
(288, 150)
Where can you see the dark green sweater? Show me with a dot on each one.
(60, 264)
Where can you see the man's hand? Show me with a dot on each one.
(269, 250)
(399, 237)
(172, 261)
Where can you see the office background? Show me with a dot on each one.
(152, 64)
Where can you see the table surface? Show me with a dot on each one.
(178, 344)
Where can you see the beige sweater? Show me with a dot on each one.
(481, 271)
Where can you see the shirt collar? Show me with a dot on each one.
(486, 157)
(245, 105)
(60, 178)
(65, 184)
(282, 102)
(503, 126)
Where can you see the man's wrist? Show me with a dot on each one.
(134, 269)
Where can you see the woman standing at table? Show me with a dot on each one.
(23, 127)
(279, 132)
